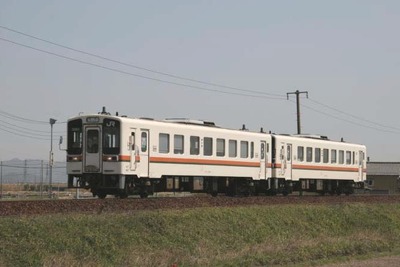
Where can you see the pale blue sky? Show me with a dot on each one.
(344, 53)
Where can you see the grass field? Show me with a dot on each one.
(298, 235)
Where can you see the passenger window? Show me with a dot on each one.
(194, 145)
(178, 144)
(289, 153)
(232, 148)
(300, 153)
(309, 154)
(348, 157)
(252, 149)
(244, 149)
(208, 146)
(354, 158)
(325, 155)
(220, 147)
(341, 157)
(333, 156)
(318, 155)
(163, 143)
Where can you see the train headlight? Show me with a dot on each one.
(74, 158)
(110, 158)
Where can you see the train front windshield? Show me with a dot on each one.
(111, 137)
(75, 137)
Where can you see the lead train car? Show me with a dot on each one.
(124, 156)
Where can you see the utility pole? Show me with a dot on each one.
(25, 171)
(1, 176)
(51, 161)
(41, 180)
(297, 93)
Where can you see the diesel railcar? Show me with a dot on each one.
(121, 156)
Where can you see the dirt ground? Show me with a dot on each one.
(38, 207)
(390, 261)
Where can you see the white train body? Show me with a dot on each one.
(122, 156)
(310, 158)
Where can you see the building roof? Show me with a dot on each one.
(383, 168)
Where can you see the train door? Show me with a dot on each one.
(92, 156)
(282, 159)
(285, 157)
(139, 155)
(361, 165)
(263, 161)
(289, 161)
(143, 170)
(133, 150)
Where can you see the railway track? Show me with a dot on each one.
(130, 205)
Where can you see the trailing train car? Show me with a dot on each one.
(124, 156)
(314, 163)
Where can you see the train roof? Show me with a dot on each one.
(315, 138)
(209, 124)
(168, 121)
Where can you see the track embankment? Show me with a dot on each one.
(39, 207)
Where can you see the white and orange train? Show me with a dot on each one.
(121, 156)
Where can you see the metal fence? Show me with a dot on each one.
(30, 176)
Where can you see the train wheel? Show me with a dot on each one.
(214, 193)
(349, 190)
(338, 191)
(101, 195)
(123, 195)
(144, 195)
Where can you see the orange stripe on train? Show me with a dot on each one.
(128, 158)
(204, 161)
(321, 168)
(237, 163)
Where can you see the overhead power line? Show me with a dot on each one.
(257, 94)
(23, 135)
(14, 117)
(349, 121)
(139, 67)
(28, 130)
(138, 75)
(354, 116)
(25, 120)
(23, 131)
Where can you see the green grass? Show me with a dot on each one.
(245, 236)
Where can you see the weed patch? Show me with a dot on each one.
(240, 236)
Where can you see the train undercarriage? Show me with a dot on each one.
(123, 186)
